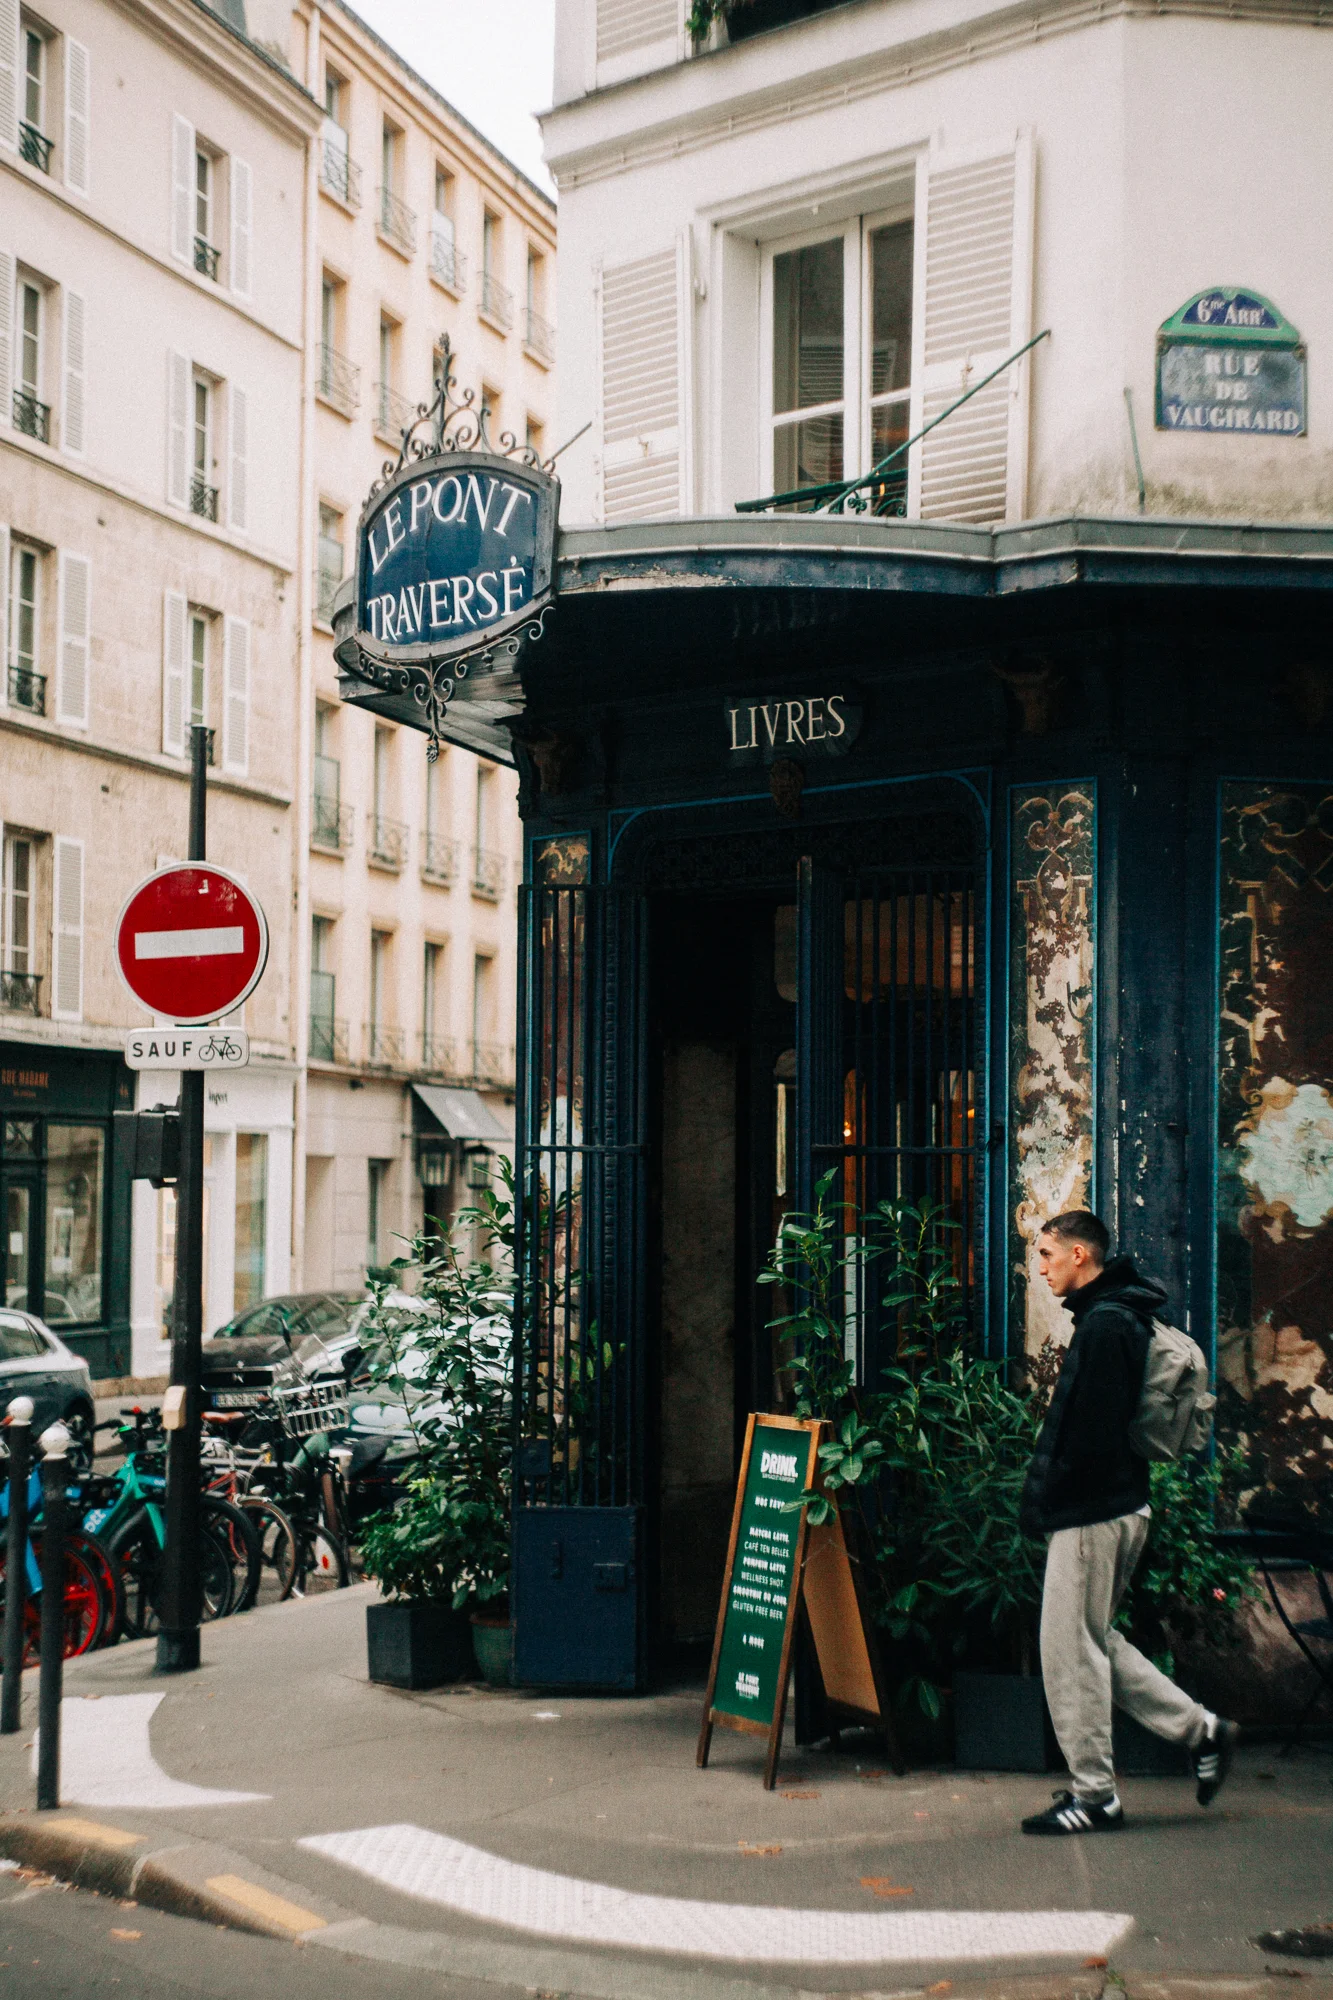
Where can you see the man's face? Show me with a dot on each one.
(1066, 1264)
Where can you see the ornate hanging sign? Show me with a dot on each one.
(455, 557)
(1229, 361)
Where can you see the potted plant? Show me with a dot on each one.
(447, 1355)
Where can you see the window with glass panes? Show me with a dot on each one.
(203, 196)
(19, 886)
(839, 324)
(30, 339)
(202, 457)
(25, 571)
(34, 79)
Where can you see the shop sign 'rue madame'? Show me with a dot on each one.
(1229, 361)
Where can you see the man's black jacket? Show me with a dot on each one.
(1083, 1469)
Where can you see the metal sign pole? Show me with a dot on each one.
(19, 1431)
(55, 1478)
(179, 1609)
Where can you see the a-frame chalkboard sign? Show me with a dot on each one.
(773, 1560)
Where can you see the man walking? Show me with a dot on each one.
(1087, 1491)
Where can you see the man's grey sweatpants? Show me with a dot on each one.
(1088, 1667)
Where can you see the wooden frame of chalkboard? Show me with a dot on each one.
(772, 1552)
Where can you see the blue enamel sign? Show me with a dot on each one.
(1228, 360)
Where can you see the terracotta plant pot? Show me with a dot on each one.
(491, 1641)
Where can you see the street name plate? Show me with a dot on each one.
(187, 1048)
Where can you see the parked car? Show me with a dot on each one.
(34, 1362)
(253, 1353)
(294, 1316)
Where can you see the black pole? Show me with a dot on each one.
(179, 1604)
(19, 1433)
(55, 1478)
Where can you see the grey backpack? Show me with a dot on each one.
(1175, 1413)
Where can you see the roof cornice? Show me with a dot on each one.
(212, 45)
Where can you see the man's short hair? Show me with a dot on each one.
(1080, 1225)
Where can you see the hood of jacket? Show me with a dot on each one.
(1118, 1284)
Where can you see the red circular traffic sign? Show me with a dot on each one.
(191, 942)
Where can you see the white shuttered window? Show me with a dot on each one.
(178, 429)
(238, 455)
(78, 93)
(72, 416)
(175, 667)
(182, 188)
(623, 25)
(641, 388)
(67, 931)
(9, 75)
(6, 333)
(242, 201)
(977, 312)
(236, 697)
(75, 613)
(4, 615)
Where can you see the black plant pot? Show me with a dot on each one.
(418, 1645)
(1001, 1723)
(1140, 1754)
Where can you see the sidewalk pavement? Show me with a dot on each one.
(571, 1846)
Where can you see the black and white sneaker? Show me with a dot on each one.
(1070, 1814)
(1212, 1759)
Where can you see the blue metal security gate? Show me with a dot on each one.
(578, 1572)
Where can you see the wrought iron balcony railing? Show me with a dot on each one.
(206, 258)
(34, 147)
(497, 302)
(27, 690)
(488, 875)
(31, 417)
(393, 413)
(203, 498)
(339, 175)
(338, 381)
(20, 992)
(492, 1062)
(448, 265)
(385, 1044)
(440, 1054)
(328, 575)
(331, 822)
(397, 222)
(388, 841)
(539, 336)
(328, 1039)
(439, 859)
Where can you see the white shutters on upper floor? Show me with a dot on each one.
(9, 75)
(78, 94)
(976, 268)
(236, 696)
(238, 457)
(73, 662)
(178, 429)
(4, 611)
(73, 413)
(242, 201)
(175, 671)
(6, 333)
(182, 188)
(623, 25)
(640, 384)
(67, 930)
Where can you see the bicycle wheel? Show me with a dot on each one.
(86, 1605)
(136, 1552)
(108, 1575)
(321, 1562)
(239, 1536)
(278, 1544)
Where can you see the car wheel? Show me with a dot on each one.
(78, 1421)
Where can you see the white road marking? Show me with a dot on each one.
(106, 1758)
(437, 1869)
(218, 942)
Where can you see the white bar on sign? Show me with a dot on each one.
(219, 943)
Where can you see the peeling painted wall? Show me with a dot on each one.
(1051, 1035)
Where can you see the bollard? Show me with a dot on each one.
(55, 1476)
(19, 1431)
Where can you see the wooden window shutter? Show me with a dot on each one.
(623, 25)
(6, 333)
(73, 414)
(641, 388)
(175, 669)
(75, 638)
(67, 931)
(9, 75)
(178, 429)
(238, 456)
(236, 697)
(242, 202)
(182, 188)
(977, 311)
(4, 613)
(78, 97)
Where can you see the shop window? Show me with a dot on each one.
(251, 1218)
(75, 1160)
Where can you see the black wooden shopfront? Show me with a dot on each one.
(1046, 922)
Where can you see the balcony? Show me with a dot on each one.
(331, 822)
(19, 992)
(328, 1039)
(31, 417)
(203, 498)
(385, 1045)
(328, 575)
(339, 175)
(488, 875)
(393, 413)
(448, 265)
(206, 258)
(388, 842)
(439, 1053)
(339, 381)
(496, 303)
(27, 690)
(397, 222)
(539, 337)
(493, 1063)
(34, 147)
(439, 859)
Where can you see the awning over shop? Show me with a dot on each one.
(461, 1113)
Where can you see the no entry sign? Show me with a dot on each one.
(191, 943)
